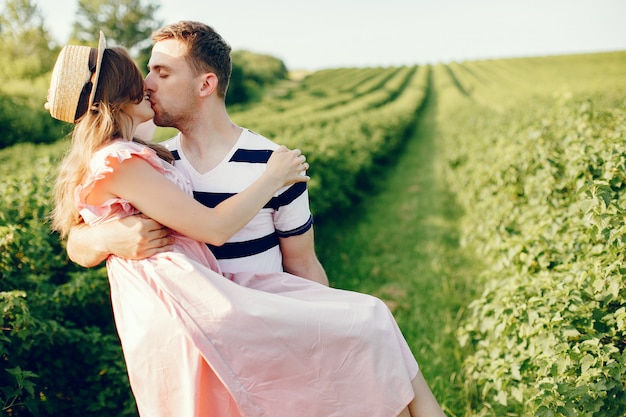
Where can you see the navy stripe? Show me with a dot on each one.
(233, 250)
(253, 156)
(297, 231)
(284, 199)
(211, 199)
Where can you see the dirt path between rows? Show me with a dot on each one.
(401, 244)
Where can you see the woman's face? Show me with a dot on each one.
(140, 112)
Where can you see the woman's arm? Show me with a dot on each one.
(157, 197)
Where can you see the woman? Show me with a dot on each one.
(261, 344)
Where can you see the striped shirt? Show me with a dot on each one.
(255, 247)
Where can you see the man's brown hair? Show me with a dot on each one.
(207, 51)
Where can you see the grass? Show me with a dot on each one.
(401, 244)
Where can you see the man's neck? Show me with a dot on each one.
(206, 146)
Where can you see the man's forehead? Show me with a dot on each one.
(172, 47)
(168, 53)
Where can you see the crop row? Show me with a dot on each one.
(323, 105)
(537, 160)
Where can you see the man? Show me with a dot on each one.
(189, 72)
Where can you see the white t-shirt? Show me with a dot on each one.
(255, 247)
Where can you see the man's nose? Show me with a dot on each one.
(147, 83)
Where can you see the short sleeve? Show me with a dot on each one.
(99, 167)
(295, 217)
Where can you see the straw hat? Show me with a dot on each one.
(72, 79)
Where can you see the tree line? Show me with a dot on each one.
(29, 51)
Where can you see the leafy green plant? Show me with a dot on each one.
(58, 344)
(547, 335)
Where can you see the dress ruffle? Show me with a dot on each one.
(120, 150)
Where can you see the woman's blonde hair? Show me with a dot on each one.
(120, 83)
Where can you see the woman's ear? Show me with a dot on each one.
(209, 84)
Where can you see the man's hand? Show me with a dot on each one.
(133, 237)
(140, 238)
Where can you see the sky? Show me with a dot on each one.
(359, 33)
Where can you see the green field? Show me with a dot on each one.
(483, 201)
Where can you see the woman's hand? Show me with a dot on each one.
(287, 167)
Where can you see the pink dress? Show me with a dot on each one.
(197, 343)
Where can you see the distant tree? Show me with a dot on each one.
(124, 22)
(237, 92)
(253, 72)
(25, 44)
(259, 68)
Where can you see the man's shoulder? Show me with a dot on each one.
(253, 140)
(171, 143)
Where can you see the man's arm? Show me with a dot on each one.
(299, 257)
(133, 237)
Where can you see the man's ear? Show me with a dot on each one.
(209, 84)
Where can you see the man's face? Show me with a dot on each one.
(171, 84)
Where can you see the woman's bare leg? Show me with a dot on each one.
(405, 413)
(424, 404)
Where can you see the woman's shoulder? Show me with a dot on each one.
(121, 144)
(122, 150)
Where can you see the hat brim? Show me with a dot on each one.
(101, 47)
